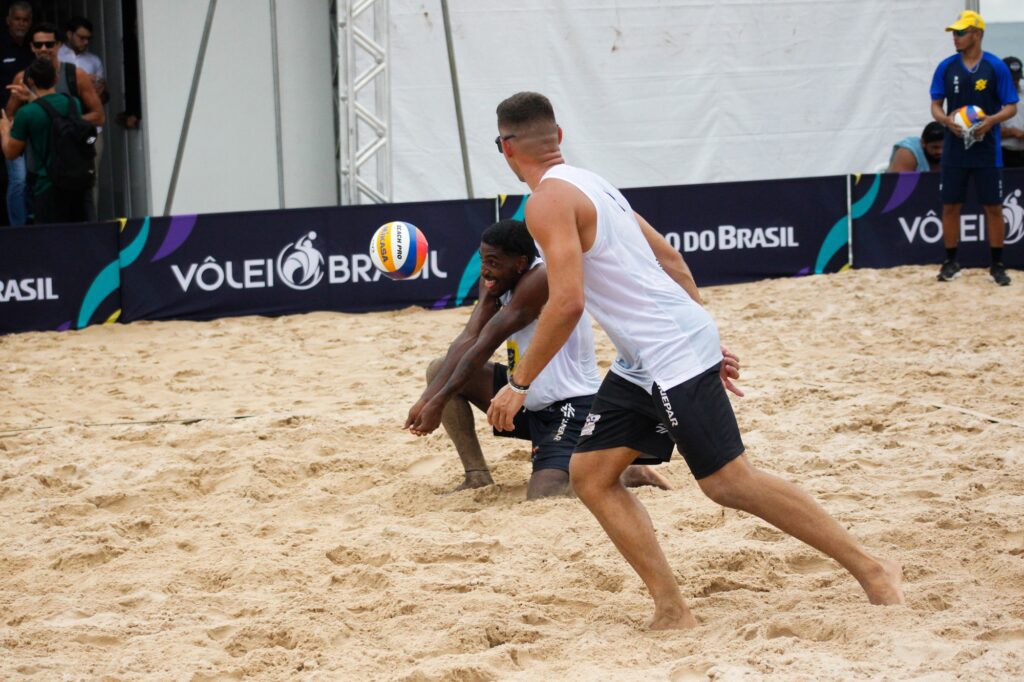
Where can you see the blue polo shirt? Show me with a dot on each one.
(988, 86)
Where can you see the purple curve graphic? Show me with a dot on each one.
(803, 272)
(904, 188)
(177, 233)
(64, 327)
(442, 302)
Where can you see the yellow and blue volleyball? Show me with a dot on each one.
(398, 249)
(966, 117)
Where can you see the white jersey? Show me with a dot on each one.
(659, 332)
(570, 374)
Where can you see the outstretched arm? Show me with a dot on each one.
(476, 343)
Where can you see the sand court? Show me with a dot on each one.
(236, 499)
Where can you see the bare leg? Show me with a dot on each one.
(457, 419)
(995, 224)
(547, 483)
(787, 507)
(637, 475)
(951, 225)
(595, 478)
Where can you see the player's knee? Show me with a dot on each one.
(729, 485)
(433, 368)
(588, 475)
(547, 483)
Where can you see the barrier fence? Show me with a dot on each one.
(57, 277)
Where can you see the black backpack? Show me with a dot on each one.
(71, 157)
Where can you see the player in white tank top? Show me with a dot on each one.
(602, 256)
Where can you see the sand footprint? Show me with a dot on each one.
(426, 465)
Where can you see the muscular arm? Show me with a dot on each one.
(523, 308)
(551, 217)
(903, 161)
(671, 261)
(19, 95)
(92, 108)
(939, 114)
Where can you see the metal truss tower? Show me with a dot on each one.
(364, 101)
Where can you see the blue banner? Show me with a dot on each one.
(901, 222)
(282, 262)
(58, 277)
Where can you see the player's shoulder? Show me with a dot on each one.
(948, 62)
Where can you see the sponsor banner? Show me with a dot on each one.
(897, 220)
(744, 231)
(281, 262)
(58, 277)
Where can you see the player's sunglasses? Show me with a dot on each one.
(40, 44)
(961, 33)
(499, 139)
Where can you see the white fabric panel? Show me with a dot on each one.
(230, 161)
(666, 92)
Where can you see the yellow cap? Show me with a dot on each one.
(967, 19)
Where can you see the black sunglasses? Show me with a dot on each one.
(499, 139)
(963, 32)
(39, 44)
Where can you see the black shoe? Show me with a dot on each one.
(950, 271)
(998, 274)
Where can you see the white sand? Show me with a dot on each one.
(311, 539)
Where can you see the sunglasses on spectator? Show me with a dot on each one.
(499, 139)
(40, 44)
(963, 32)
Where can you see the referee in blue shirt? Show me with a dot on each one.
(972, 76)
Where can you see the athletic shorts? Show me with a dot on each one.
(553, 430)
(695, 415)
(988, 185)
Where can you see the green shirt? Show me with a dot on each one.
(32, 126)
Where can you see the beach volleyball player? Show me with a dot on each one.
(602, 255)
(513, 289)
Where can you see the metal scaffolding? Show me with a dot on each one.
(364, 101)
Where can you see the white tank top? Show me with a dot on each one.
(570, 374)
(659, 332)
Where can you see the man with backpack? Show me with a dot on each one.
(71, 80)
(60, 144)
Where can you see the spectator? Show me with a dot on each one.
(76, 51)
(972, 77)
(31, 128)
(919, 154)
(1013, 129)
(71, 80)
(15, 55)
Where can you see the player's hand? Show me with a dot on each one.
(428, 418)
(982, 127)
(730, 371)
(414, 413)
(505, 405)
(953, 127)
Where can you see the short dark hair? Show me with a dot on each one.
(79, 22)
(524, 108)
(933, 132)
(41, 73)
(23, 5)
(44, 27)
(512, 237)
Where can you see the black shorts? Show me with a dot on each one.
(695, 415)
(553, 431)
(988, 185)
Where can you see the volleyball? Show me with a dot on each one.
(398, 249)
(966, 117)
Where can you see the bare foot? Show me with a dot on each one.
(885, 586)
(672, 619)
(637, 475)
(476, 479)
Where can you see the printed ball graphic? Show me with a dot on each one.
(398, 249)
(968, 116)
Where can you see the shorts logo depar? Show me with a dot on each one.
(588, 427)
(668, 407)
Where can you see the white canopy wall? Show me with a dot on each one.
(649, 92)
(666, 92)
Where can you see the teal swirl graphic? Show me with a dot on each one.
(839, 235)
(109, 279)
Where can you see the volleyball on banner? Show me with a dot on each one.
(398, 249)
